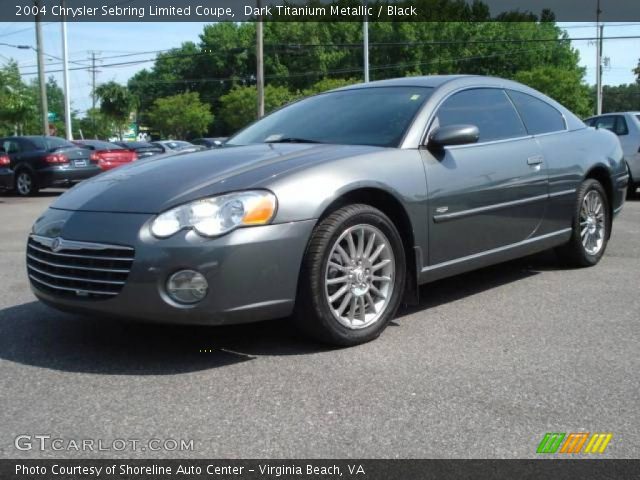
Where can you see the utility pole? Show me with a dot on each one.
(93, 71)
(600, 31)
(65, 68)
(43, 86)
(260, 61)
(365, 36)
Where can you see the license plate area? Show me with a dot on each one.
(79, 163)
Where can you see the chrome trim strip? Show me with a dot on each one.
(618, 210)
(562, 193)
(495, 250)
(76, 267)
(488, 142)
(75, 279)
(488, 208)
(76, 245)
(91, 257)
(70, 289)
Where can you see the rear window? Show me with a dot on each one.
(50, 143)
(100, 145)
(538, 116)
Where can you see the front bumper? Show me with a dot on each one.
(6, 179)
(252, 272)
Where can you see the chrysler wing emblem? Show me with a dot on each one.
(56, 245)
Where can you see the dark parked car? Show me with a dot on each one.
(41, 162)
(142, 149)
(109, 155)
(215, 142)
(6, 174)
(337, 219)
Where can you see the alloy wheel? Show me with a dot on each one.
(592, 222)
(360, 276)
(24, 183)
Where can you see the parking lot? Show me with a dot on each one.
(486, 365)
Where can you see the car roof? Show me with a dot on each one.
(615, 113)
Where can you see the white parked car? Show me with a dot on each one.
(626, 125)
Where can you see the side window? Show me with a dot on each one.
(11, 146)
(537, 115)
(608, 122)
(26, 146)
(621, 126)
(489, 109)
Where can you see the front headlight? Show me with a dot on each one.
(215, 216)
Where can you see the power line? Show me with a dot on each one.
(344, 45)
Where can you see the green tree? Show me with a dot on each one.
(564, 86)
(238, 107)
(17, 102)
(180, 116)
(620, 98)
(116, 104)
(93, 125)
(327, 84)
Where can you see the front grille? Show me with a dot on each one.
(78, 269)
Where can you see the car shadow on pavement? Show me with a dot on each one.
(477, 281)
(34, 334)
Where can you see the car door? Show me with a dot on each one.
(486, 195)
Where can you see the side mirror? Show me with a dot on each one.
(453, 135)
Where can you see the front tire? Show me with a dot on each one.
(591, 226)
(352, 278)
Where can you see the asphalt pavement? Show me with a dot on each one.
(486, 365)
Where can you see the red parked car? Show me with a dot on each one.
(108, 155)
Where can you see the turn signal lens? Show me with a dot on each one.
(260, 211)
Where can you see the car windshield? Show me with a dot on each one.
(376, 116)
(51, 143)
(176, 144)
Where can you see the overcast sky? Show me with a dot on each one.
(112, 39)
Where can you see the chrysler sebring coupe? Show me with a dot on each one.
(334, 209)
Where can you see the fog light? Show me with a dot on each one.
(187, 286)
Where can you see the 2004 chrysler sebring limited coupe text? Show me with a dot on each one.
(334, 209)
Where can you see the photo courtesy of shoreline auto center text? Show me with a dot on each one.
(319, 239)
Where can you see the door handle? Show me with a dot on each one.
(535, 160)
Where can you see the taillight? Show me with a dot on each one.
(134, 156)
(56, 158)
(4, 160)
(94, 157)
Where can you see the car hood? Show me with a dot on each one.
(155, 184)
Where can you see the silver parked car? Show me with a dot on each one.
(334, 209)
(626, 125)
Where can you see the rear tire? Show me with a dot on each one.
(25, 183)
(591, 227)
(352, 278)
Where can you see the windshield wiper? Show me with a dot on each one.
(292, 140)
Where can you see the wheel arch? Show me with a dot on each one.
(393, 208)
(603, 176)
